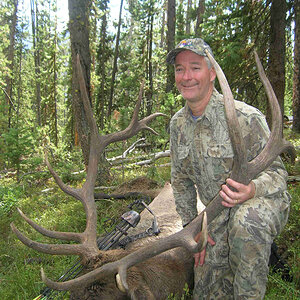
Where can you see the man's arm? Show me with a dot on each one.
(269, 182)
(273, 179)
(183, 187)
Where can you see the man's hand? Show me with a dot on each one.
(200, 256)
(242, 193)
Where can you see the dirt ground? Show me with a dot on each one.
(142, 185)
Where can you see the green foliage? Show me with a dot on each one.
(187, 294)
(293, 168)
(152, 172)
(180, 22)
(18, 143)
(289, 246)
(9, 198)
(288, 97)
(69, 165)
(288, 241)
(19, 265)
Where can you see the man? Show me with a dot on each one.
(234, 264)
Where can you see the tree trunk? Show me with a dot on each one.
(115, 66)
(200, 13)
(102, 72)
(277, 52)
(79, 35)
(171, 21)
(10, 59)
(36, 51)
(19, 95)
(55, 88)
(163, 21)
(296, 81)
(188, 18)
(149, 93)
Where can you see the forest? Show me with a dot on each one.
(122, 47)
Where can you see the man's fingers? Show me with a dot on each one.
(196, 258)
(199, 258)
(227, 198)
(202, 257)
(226, 204)
(228, 192)
(210, 240)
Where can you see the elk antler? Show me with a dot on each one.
(243, 171)
(87, 248)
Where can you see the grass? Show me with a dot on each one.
(20, 266)
(288, 241)
(289, 248)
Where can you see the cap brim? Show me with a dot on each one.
(170, 59)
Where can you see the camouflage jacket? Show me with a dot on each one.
(202, 155)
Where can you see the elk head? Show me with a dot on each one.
(243, 171)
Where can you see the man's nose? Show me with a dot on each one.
(187, 74)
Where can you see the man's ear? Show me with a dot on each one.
(212, 73)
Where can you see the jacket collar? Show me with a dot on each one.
(214, 105)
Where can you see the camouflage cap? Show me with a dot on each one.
(196, 45)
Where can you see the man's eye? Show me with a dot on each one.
(178, 70)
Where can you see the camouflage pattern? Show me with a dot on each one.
(196, 45)
(202, 158)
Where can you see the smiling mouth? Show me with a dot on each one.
(189, 86)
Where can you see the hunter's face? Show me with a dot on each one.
(193, 78)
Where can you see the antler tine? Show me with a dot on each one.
(276, 143)
(96, 147)
(138, 104)
(142, 123)
(76, 193)
(237, 141)
(83, 280)
(55, 249)
(67, 236)
(135, 125)
(276, 111)
(85, 99)
(148, 119)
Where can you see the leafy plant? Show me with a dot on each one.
(18, 145)
(9, 198)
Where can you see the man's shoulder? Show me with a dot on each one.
(179, 115)
(246, 109)
(240, 106)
